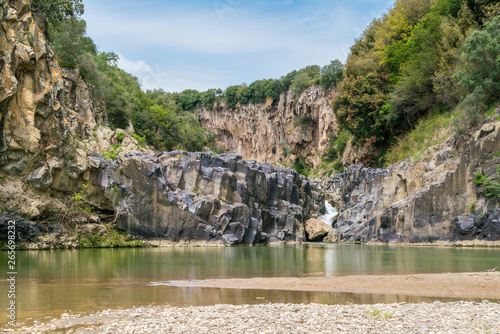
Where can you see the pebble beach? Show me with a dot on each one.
(436, 317)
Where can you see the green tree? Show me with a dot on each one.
(244, 94)
(331, 74)
(257, 92)
(231, 96)
(58, 10)
(480, 61)
(272, 89)
(189, 99)
(358, 106)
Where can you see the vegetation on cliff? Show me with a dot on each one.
(164, 119)
(421, 58)
(425, 63)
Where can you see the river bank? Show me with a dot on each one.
(455, 285)
(455, 317)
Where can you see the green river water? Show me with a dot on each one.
(49, 283)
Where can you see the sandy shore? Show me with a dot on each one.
(456, 285)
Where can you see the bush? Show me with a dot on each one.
(357, 107)
(301, 167)
(336, 146)
(338, 166)
(479, 74)
(479, 179)
(480, 65)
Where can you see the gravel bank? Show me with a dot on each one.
(456, 317)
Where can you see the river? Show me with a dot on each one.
(52, 282)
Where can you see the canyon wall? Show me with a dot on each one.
(436, 198)
(276, 131)
(48, 123)
(203, 198)
(52, 148)
(51, 163)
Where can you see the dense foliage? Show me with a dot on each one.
(422, 56)
(423, 59)
(259, 91)
(165, 120)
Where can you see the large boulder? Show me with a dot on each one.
(316, 229)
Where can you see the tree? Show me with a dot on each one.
(58, 10)
(257, 92)
(231, 96)
(358, 106)
(189, 99)
(480, 61)
(272, 89)
(301, 83)
(331, 74)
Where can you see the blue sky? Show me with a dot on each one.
(176, 45)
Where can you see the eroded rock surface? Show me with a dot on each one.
(434, 199)
(48, 123)
(276, 131)
(206, 198)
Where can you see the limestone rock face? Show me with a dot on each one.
(422, 202)
(316, 229)
(206, 198)
(47, 121)
(276, 131)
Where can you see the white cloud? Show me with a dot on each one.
(179, 49)
(138, 66)
(205, 33)
(174, 79)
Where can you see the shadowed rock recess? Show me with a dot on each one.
(208, 198)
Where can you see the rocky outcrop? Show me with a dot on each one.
(276, 131)
(205, 198)
(434, 199)
(316, 230)
(48, 122)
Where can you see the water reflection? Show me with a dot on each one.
(51, 282)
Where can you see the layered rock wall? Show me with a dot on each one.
(434, 199)
(206, 198)
(276, 131)
(48, 122)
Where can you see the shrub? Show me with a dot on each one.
(336, 146)
(338, 166)
(120, 136)
(301, 167)
(479, 74)
(479, 179)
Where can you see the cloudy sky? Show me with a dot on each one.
(176, 45)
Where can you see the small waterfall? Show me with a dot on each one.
(331, 212)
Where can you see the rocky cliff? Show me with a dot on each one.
(275, 131)
(206, 198)
(52, 159)
(434, 199)
(48, 122)
(52, 166)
